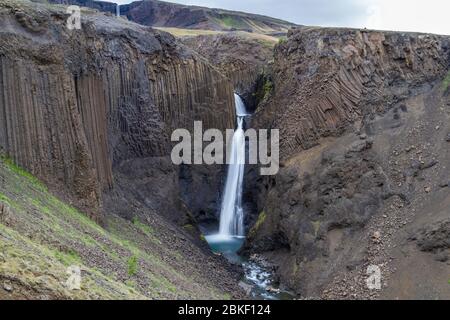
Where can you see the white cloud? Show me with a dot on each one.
(410, 15)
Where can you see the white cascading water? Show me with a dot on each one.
(232, 214)
(118, 10)
(241, 111)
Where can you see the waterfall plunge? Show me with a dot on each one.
(241, 111)
(232, 214)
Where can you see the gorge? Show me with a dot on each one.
(86, 176)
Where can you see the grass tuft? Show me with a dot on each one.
(446, 82)
(11, 165)
(132, 265)
(145, 228)
(258, 224)
(68, 258)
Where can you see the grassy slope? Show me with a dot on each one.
(244, 21)
(262, 38)
(40, 236)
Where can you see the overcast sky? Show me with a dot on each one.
(400, 15)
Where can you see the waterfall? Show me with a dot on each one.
(240, 106)
(232, 214)
(118, 10)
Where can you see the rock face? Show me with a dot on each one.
(242, 58)
(107, 94)
(327, 79)
(98, 5)
(314, 209)
(363, 118)
(435, 238)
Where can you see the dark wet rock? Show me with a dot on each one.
(246, 287)
(416, 166)
(359, 146)
(445, 184)
(434, 237)
(429, 164)
(5, 214)
(442, 256)
(242, 58)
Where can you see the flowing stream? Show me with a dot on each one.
(231, 236)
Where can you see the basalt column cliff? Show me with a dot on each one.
(76, 104)
(364, 124)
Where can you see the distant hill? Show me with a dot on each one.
(165, 14)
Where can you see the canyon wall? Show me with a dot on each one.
(75, 104)
(327, 79)
(364, 123)
(243, 58)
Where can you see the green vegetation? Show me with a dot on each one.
(264, 88)
(180, 32)
(446, 82)
(132, 284)
(37, 266)
(162, 283)
(68, 258)
(282, 40)
(46, 235)
(232, 22)
(20, 171)
(264, 39)
(132, 265)
(268, 86)
(267, 43)
(261, 219)
(145, 228)
(167, 284)
(227, 296)
(5, 199)
(258, 224)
